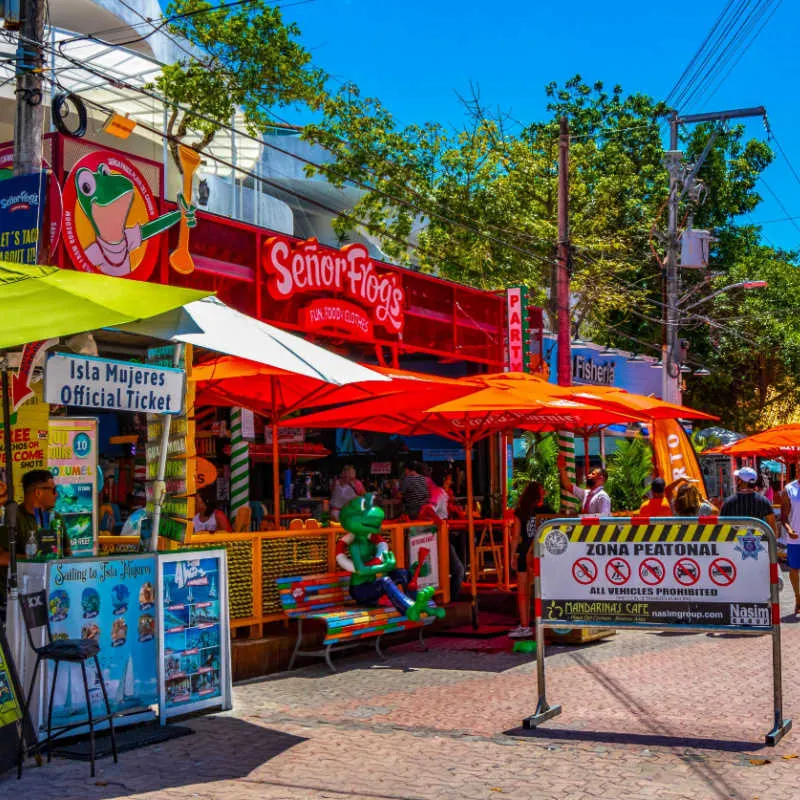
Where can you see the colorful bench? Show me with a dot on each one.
(326, 597)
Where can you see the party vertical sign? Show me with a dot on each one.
(72, 458)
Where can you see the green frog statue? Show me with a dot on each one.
(373, 574)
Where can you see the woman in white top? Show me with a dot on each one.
(345, 488)
(209, 519)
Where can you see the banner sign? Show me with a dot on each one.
(195, 650)
(515, 302)
(29, 431)
(72, 458)
(304, 267)
(112, 601)
(338, 315)
(21, 217)
(91, 382)
(673, 453)
(423, 555)
(665, 573)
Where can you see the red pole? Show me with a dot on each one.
(564, 367)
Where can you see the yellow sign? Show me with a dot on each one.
(29, 436)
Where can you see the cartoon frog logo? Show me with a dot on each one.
(106, 198)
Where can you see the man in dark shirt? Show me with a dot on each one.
(747, 502)
(39, 491)
(414, 490)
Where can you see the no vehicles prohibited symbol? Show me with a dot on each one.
(652, 571)
(722, 571)
(584, 570)
(618, 570)
(686, 571)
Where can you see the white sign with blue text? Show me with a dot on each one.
(90, 382)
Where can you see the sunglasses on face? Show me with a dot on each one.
(46, 488)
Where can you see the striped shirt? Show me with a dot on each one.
(747, 504)
(414, 489)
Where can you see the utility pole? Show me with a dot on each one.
(30, 111)
(681, 180)
(564, 365)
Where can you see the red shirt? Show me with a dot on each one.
(655, 507)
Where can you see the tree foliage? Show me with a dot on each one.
(629, 468)
(246, 59)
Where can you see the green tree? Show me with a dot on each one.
(540, 465)
(246, 59)
(629, 468)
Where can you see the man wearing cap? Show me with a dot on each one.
(657, 505)
(747, 502)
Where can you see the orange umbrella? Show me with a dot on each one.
(475, 408)
(782, 440)
(276, 393)
(630, 402)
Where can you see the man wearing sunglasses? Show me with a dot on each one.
(33, 513)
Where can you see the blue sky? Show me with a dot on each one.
(417, 55)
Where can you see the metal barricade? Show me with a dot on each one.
(670, 573)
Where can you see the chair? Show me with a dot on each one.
(258, 513)
(297, 524)
(71, 651)
(488, 545)
(312, 523)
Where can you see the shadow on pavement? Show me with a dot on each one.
(640, 739)
(223, 748)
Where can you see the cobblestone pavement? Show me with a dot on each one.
(645, 715)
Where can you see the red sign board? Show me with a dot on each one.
(338, 315)
(308, 267)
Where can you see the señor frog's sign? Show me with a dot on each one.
(345, 275)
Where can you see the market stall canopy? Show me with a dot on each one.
(629, 402)
(211, 324)
(781, 441)
(43, 302)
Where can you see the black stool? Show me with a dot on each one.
(73, 651)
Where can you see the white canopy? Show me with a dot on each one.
(211, 324)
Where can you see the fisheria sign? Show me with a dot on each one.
(90, 382)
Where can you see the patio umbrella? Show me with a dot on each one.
(782, 440)
(471, 412)
(649, 407)
(277, 393)
(43, 302)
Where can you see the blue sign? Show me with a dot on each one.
(113, 601)
(21, 216)
(82, 445)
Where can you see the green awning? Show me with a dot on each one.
(43, 302)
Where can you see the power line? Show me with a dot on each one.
(789, 217)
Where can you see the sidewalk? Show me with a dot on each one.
(434, 725)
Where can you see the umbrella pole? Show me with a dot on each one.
(159, 487)
(586, 460)
(473, 566)
(276, 475)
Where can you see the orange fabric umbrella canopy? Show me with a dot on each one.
(639, 404)
(782, 440)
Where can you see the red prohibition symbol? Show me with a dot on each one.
(722, 571)
(652, 571)
(618, 570)
(584, 570)
(686, 571)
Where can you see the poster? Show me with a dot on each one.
(11, 696)
(194, 627)
(29, 432)
(113, 601)
(21, 217)
(72, 458)
(677, 573)
(423, 555)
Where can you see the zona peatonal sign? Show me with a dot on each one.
(90, 382)
(360, 296)
(665, 573)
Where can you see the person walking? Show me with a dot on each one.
(414, 490)
(747, 502)
(531, 503)
(594, 499)
(790, 517)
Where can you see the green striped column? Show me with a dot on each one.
(566, 447)
(240, 464)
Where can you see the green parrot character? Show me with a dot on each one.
(106, 198)
(372, 566)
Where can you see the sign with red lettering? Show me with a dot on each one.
(307, 267)
(516, 349)
(338, 314)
